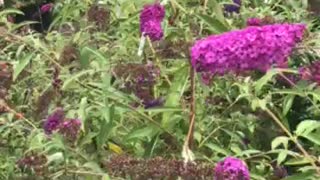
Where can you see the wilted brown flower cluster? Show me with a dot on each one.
(5, 83)
(33, 163)
(100, 16)
(140, 81)
(157, 168)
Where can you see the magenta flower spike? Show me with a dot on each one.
(252, 48)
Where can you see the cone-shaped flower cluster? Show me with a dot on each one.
(150, 21)
(231, 169)
(253, 48)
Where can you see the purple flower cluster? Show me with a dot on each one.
(150, 21)
(252, 48)
(311, 73)
(231, 169)
(233, 8)
(53, 121)
(69, 128)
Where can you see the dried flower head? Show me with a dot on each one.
(311, 72)
(231, 169)
(100, 16)
(54, 121)
(172, 49)
(70, 129)
(69, 54)
(33, 163)
(140, 81)
(6, 75)
(252, 48)
(124, 166)
(151, 18)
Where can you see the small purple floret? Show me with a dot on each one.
(46, 7)
(231, 169)
(53, 121)
(151, 18)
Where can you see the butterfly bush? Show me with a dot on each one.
(231, 169)
(151, 18)
(252, 48)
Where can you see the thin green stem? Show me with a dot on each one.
(293, 139)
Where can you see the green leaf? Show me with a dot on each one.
(297, 161)
(102, 59)
(73, 78)
(287, 104)
(106, 124)
(302, 176)
(215, 25)
(82, 111)
(106, 177)
(146, 132)
(93, 166)
(281, 157)
(280, 140)
(173, 99)
(18, 68)
(10, 11)
(58, 156)
(84, 57)
(313, 137)
(306, 127)
(217, 9)
(264, 80)
(217, 149)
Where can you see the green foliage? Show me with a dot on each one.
(242, 119)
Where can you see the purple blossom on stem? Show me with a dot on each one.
(53, 121)
(252, 48)
(231, 169)
(70, 129)
(46, 7)
(150, 21)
